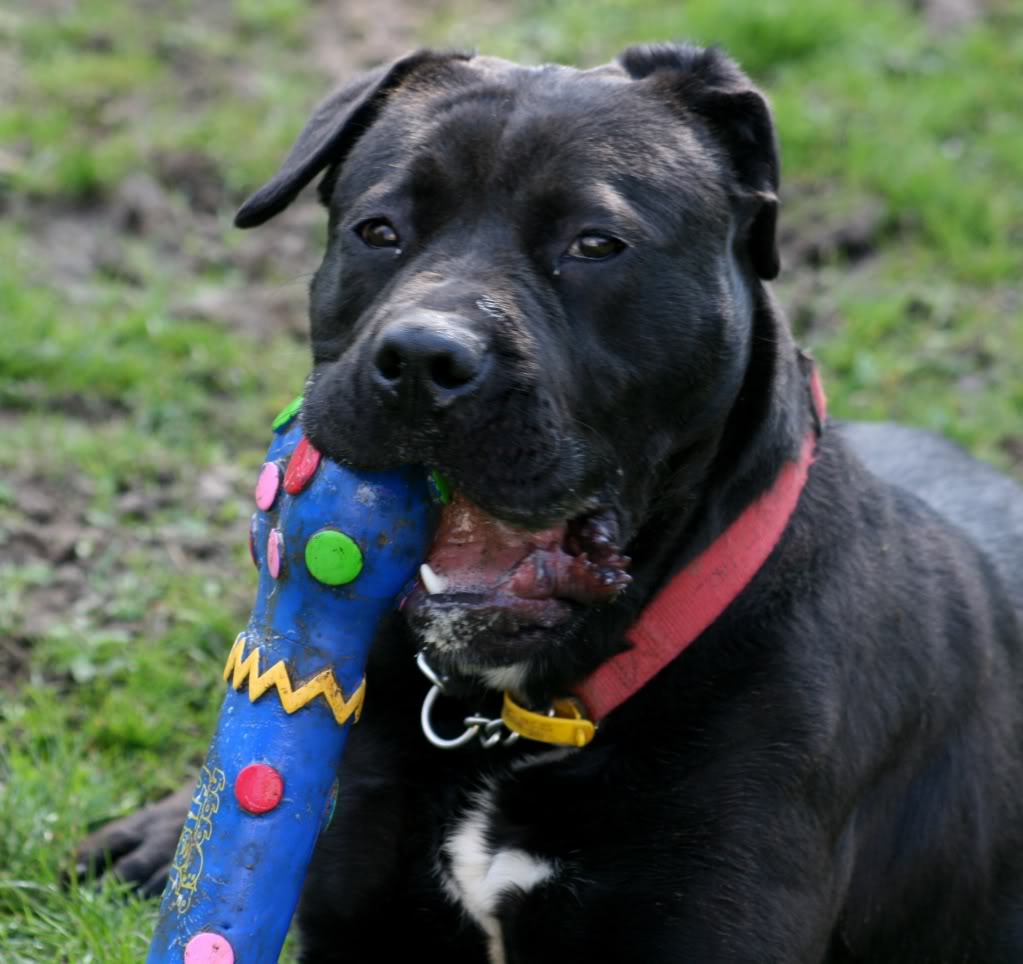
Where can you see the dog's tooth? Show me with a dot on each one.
(431, 580)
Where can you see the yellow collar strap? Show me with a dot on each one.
(566, 726)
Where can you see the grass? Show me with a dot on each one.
(84, 110)
(133, 422)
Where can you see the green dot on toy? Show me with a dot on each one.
(440, 487)
(287, 413)
(332, 557)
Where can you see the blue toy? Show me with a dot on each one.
(334, 548)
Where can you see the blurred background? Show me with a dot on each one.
(145, 345)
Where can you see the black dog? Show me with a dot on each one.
(549, 284)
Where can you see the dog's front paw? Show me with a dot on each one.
(138, 848)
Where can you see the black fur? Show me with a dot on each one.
(833, 772)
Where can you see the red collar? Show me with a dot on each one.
(704, 589)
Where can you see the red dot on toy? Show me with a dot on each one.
(259, 788)
(274, 552)
(209, 948)
(301, 468)
(267, 485)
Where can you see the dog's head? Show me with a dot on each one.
(539, 281)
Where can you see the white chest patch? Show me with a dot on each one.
(479, 874)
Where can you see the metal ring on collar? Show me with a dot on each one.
(490, 731)
(431, 734)
(428, 671)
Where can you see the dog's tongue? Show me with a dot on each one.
(475, 553)
(485, 581)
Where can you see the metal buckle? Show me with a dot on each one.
(488, 731)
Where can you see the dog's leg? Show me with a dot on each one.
(725, 913)
(138, 848)
(740, 868)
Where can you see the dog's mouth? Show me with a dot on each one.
(488, 584)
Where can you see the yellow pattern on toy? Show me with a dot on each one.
(186, 871)
(238, 669)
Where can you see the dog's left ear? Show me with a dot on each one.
(331, 131)
(706, 82)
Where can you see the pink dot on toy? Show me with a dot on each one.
(302, 467)
(208, 948)
(267, 485)
(259, 788)
(274, 551)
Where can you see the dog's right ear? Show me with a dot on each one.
(706, 82)
(330, 133)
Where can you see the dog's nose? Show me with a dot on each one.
(429, 355)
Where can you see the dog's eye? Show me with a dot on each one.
(378, 233)
(595, 247)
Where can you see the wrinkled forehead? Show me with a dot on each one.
(551, 136)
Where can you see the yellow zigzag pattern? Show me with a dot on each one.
(322, 684)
